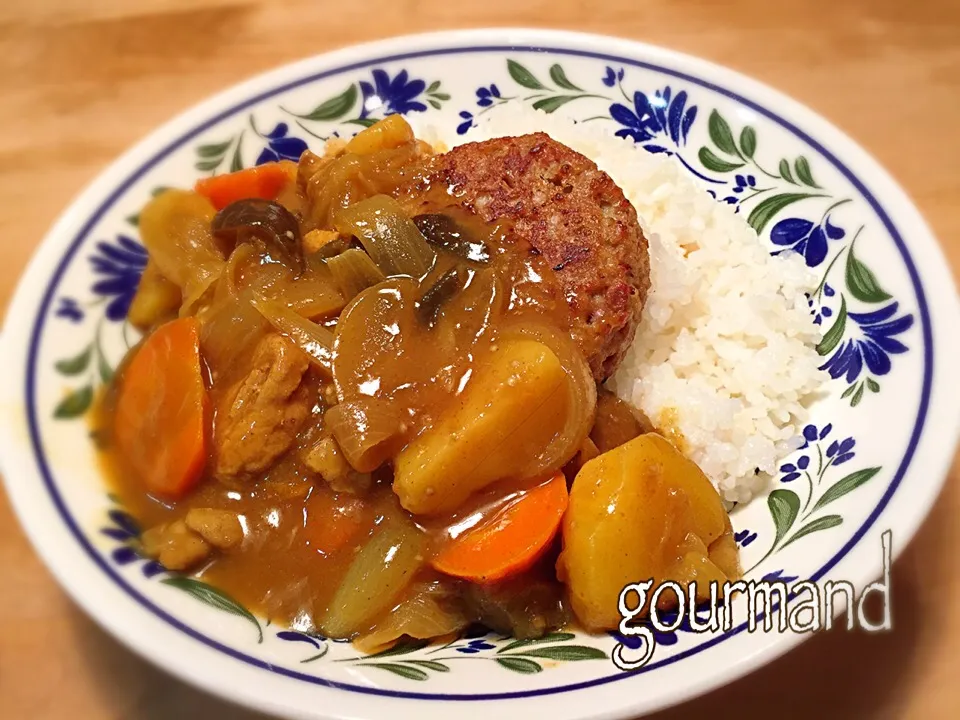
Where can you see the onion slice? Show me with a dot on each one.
(369, 430)
(314, 340)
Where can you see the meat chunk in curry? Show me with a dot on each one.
(259, 419)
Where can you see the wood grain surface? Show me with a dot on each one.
(80, 80)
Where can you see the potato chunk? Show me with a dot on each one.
(510, 411)
(641, 511)
(156, 300)
(391, 132)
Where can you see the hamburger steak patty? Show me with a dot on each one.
(576, 217)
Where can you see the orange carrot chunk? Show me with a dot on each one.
(263, 181)
(334, 521)
(511, 541)
(160, 420)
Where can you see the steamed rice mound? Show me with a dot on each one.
(724, 360)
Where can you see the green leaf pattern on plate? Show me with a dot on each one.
(75, 365)
(91, 362)
(770, 207)
(519, 656)
(334, 108)
(75, 404)
(848, 484)
(213, 597)
(787, 506)
(833, 336)
(784, 507)
(861, 282)
(519, 665)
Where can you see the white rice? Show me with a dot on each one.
(725, 351)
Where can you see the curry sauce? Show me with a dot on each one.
(361, 402)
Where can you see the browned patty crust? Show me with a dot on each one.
(559, 202)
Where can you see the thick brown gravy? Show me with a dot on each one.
(405, 393)
(293, 557)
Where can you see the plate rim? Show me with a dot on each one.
(458, 42)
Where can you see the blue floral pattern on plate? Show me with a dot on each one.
(656, 122)
(873, 349)
(70, 309)
(806, 237)
(281, 146)
(120, 265)
(398, 95)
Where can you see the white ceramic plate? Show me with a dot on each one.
(878, 449)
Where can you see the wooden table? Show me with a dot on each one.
(80, 80)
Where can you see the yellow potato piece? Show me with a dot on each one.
(156, 300)
(693, 565)
(638, 512)
(507, 414)
(391, 132)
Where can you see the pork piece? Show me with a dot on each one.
(175, 545)
(220, 528)
(326, 459)
(563, 207)
(262, 414)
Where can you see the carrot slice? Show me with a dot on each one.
(263, 181)
(511, 541)
(333, 521)
(161, 415)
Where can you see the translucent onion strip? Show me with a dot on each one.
(369, 431)
(390, 238)
(376, 578)
(315, 340)
(430, 610)
(353, 272)
(175, 228)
